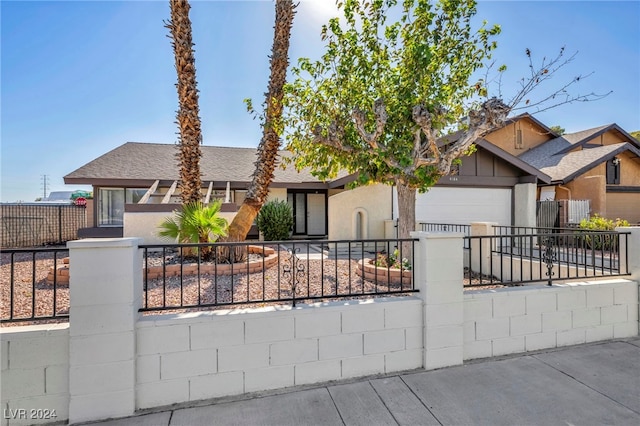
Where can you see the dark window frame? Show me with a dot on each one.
(613, 171)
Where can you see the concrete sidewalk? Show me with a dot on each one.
(593, 384)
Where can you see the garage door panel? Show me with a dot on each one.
(465, 205)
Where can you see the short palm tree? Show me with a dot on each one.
(196, 223)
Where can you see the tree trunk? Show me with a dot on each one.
(187, 116)
(268, 149)
(406, 216)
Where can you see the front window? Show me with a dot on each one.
(613, 171)
(112, 201)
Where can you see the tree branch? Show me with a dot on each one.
(381, 116)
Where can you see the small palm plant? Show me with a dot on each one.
(196, 223)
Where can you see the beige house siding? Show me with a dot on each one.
(624, 205)
(532, 136)
(368, 206)
(629, 170)
(590, 187)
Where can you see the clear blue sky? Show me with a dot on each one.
(79, 78)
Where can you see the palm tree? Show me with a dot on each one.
(268, 148)
(188, 119)
(195, 223)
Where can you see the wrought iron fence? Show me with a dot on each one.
(446, 227)
(548, 256)
(231, 274)
(34, 285)
(31, 225)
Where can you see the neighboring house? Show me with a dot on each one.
(601, 165)
(137, 178)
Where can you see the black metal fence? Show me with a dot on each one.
(545, 257)
(34, 285)
(447, 227)
(230, 274)
(32, 225)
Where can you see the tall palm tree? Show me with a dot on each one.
(268, 148)
(188, 119)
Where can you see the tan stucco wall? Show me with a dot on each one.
(607, 138)
(532, 136)
(593, 188)
(145, 225)
(277, 194)
(629, 170)
(624, 205)
(374, 201)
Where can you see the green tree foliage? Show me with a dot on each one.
(382, 94)
(558, 130)
(636, 135)
(195, 222)
(275, 220)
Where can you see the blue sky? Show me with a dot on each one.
(79, 78)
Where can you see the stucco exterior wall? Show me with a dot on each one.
(372, 203)
(590, 187)
(145, 224)
(629, 170)
(532, 136)
(277, 194)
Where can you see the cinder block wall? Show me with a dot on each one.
(213, 354)
(504, 321)
(35, 374)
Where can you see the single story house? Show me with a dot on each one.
(135, 187)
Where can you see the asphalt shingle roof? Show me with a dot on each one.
(559, 167)
(151, 161)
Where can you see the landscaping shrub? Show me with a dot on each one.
(275, 220)
(392, 260)
(196, 223)
(599, 223)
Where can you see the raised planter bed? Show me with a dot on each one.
(269, 259)
(383, 275)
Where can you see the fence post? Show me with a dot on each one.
(60, 224)
(480, 248)
(439, 274)
(105, 295)
(630, 251)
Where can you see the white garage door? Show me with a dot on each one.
(463, 205)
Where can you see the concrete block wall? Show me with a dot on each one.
(212, 354)
(520, 319)
(34, 383)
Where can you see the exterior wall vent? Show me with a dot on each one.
(518, 140)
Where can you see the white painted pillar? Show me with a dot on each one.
(630, 250)
(105, 295)
(439, 274)
(480, 253)
(524, 205)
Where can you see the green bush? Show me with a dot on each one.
(275, 220)
(195, 222)
(599, 223)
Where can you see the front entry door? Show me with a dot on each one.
(316, 224)
(309, 213)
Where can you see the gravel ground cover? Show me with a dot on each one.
(314, 278)
(31, 295)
